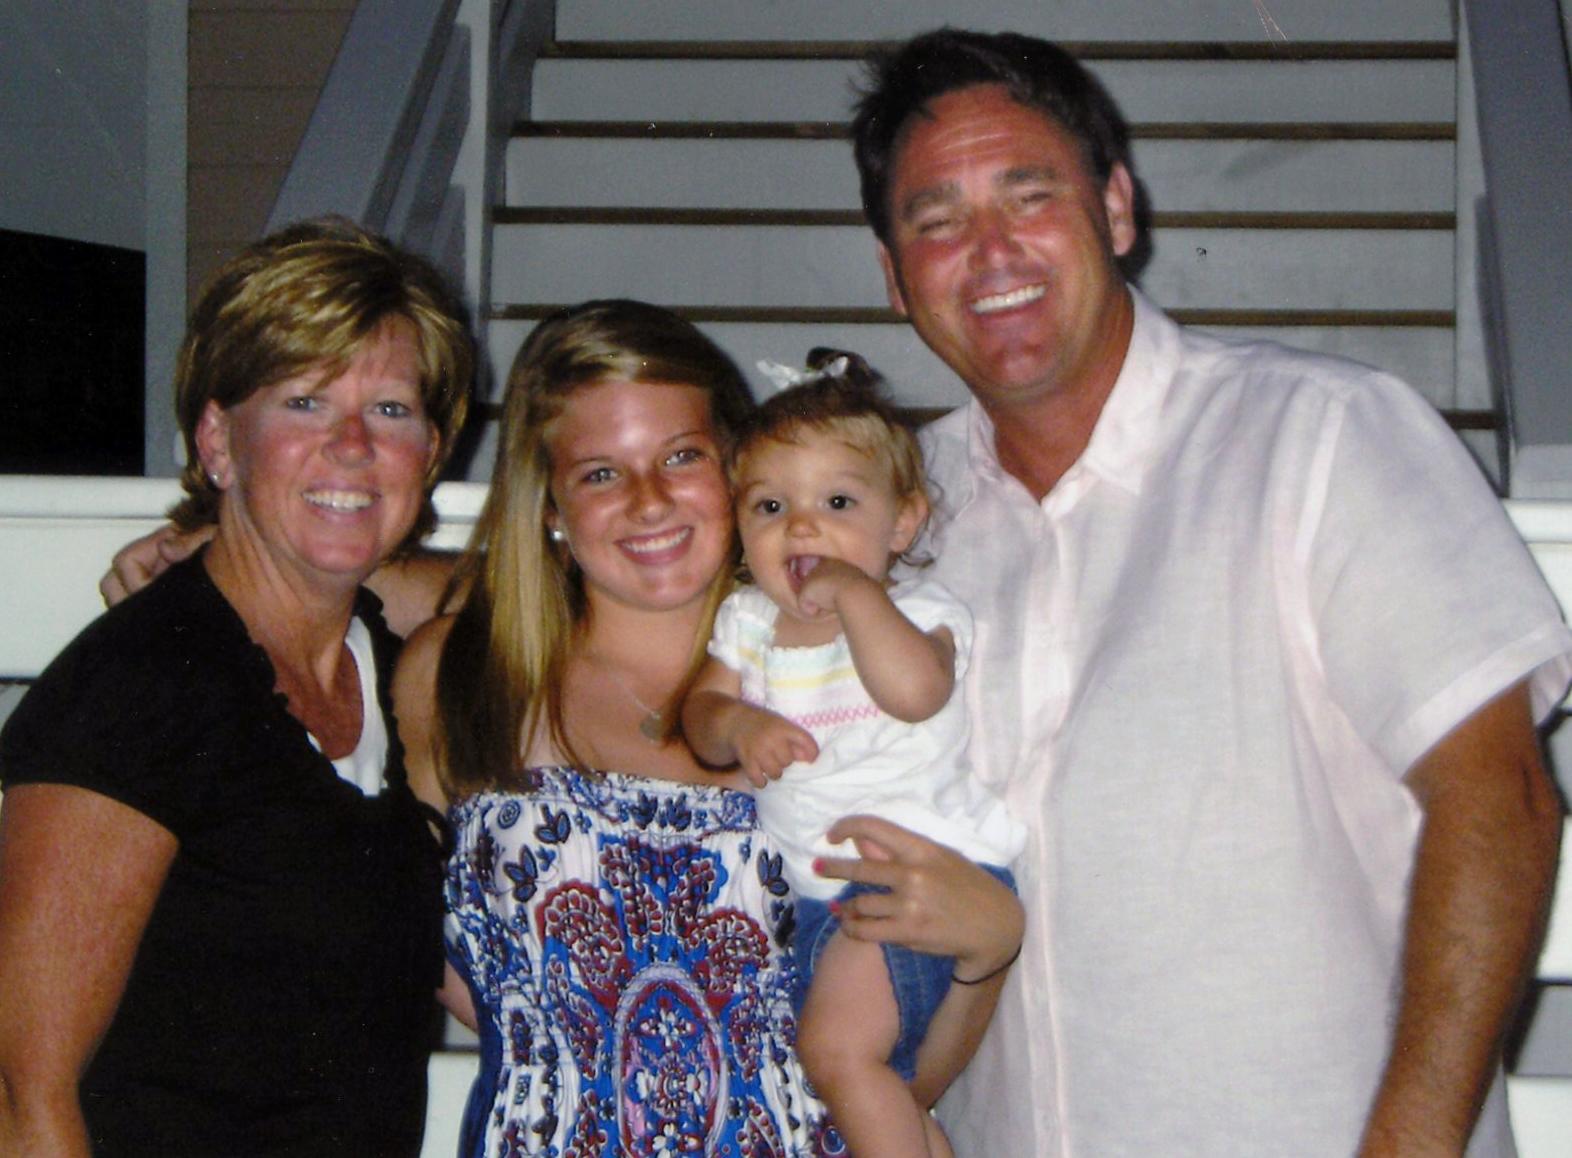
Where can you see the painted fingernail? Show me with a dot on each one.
(835, 908)
(818, 865)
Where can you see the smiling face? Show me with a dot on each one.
(638, 490)
(322, 477)
(818, 497)
(1003, 249)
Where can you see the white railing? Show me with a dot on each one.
(57, 534)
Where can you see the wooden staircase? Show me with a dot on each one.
(1299, 190)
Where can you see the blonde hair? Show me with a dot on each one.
(847, 406)
(500, 676)
(307, 298)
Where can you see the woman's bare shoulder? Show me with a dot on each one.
(415, 705)
(415, 680)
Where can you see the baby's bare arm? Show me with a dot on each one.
(908, 672)
(722, 730)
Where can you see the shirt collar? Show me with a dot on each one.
(1122, 443)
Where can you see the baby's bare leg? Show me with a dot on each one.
(849, 1024)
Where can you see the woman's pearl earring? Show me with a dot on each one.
(558, 535)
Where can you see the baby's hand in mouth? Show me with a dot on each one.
(798, 568)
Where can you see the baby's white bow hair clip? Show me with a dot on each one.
(785, 377)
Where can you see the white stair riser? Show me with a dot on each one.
(1148, 91)
(834, 266)
(1421, 355)
(1247, 20)
(1541, 1116)
(1238, 175)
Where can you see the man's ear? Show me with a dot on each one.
(212, 443)
(908, 523)
(1119, 204)
(892, 281)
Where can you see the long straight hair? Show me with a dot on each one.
(501, 672)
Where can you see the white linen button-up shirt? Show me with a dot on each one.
(1202, 665)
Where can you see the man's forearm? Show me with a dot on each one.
(1482, 879)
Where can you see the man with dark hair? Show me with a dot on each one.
(1258, 662)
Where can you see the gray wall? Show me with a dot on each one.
(93, 148)
(73, 101)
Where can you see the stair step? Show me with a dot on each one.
(1301, 179)
(833, 266)
(651, 215)
(1150, 91)
(919, 416)
(1351, 176)
(1264, 21)
(883, 315)
(1089, 51)
(1416, 346)
(839, 131)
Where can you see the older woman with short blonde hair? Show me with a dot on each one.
(220, 908)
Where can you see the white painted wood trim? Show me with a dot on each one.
(1541, 1116)
(449, 1078)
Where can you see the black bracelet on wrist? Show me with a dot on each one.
(992, 973)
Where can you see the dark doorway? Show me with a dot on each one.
(71, 356)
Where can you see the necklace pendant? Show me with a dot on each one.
(650, 728)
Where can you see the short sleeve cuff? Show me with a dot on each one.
(1543, 658)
